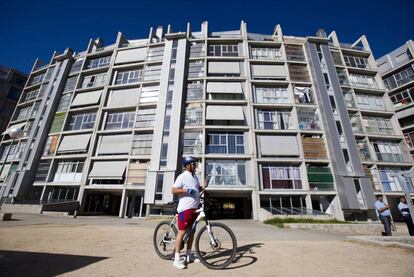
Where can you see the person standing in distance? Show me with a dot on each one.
(405, 212)
(187, 188)
(384, 214)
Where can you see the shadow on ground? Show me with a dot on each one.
(244, 255)
(19, 263)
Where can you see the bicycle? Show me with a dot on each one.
(215, 243)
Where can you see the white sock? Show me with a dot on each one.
(188, 252)
(177, 256)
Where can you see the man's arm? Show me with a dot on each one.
(383, 209)
(178, 191)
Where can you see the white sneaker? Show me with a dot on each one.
(179, 264)
(192, 259)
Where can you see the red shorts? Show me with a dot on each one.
(186, 219)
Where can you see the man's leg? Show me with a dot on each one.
(387, 225)
(410, 224)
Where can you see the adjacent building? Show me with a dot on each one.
(280, 124)
(12, 83)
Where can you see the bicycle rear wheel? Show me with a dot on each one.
(164, 240)
(218, 249)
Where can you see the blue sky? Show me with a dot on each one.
(35, 29)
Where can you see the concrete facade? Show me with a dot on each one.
(280, 124)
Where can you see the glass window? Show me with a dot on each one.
(193, 115)
(120, 120)
(196, 69)
(192, 142)
(81, 121)
(99, 62)
(258, 53)
(303, 95)
(195, 91)
(94, 80)
(70, 83)
(128, 77)
(225, 143)
(272, 95)
(308, 120)
(280, 177)
(274, 120)
(68, 171)
(223, 50)
(142, 144)
(226, 173)
(145, 118)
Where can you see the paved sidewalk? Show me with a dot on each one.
(41, 245)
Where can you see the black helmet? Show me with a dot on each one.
(187, 160)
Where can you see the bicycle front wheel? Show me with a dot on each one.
(216, 249)
(164, 240)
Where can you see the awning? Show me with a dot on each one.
(224, 113)
(124, 98)
(279, 146)
(76, 143)
(86, 98)
(108, 170)
(131, 55)
(118, 144)
(224, 67)
(224, 87)
(269, 71)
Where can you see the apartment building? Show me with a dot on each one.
(397, 71)
(12, 83)
(280, 124)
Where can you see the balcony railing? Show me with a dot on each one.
(390, 157)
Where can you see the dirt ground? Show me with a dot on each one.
(90, 249)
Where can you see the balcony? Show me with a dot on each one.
(390, 157)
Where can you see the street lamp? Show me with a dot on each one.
(401, 177)
(14, 132)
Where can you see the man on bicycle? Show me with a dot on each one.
(187, 188)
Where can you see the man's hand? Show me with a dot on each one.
(191, 191)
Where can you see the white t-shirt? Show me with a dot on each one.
(187, 181)
(402, 206)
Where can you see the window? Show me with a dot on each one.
(23, 113)
(14, 93)
(81, 121)
(12, 152)
(159, 186)
(155, 53)
(388, 151)
(273, 120)
(303, 95)
(120, 120)
(390, 83)
(359, 193)
(99, 62)
(70, 83)
(403, 98)
(363, 81)
(77, 65)
(320, 178)
(355, 123)
(266, 53)
(377, 125)
(362, 147)
(145, 118)
(272, 95)
(358, 62)
(64, 102)
(298, 73)
(149, 94)
(404, 76)
(57, 194)
(308, 120)
(152, 72)
(30, 95)
(336, 56)
(68, 171)
(342, 77)
(94, 81)
(57, 122)
(37, 79)
(370, 102)
(226, 173)
(142, 144)
(294, 52)
(280, 177)
(42, 171)
(225, 143)
(197, 49)
(51, 145)
(193, 115)
(196, 69)
(392, 183)
(128, 77)
(223, 50)
(195, 91)
(192, 142)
